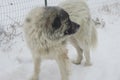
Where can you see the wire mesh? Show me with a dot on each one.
(12, 14)
(15, 10)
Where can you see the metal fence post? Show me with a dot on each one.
(45, 2)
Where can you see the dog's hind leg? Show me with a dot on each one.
(79, 50)
(87, 57)
(63, 63)
(37, 62)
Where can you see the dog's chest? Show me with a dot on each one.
(52, 52)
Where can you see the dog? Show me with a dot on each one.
(46, 31)
(86, 38)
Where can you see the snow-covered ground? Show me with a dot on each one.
(16, 64)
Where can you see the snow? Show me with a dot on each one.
(16, 64)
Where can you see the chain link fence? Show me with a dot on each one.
(14, 10)
(12, 14)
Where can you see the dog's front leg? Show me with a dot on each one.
(37, 62)
(63, 63)
(75, 43)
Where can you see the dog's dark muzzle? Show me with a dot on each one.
(73, 28)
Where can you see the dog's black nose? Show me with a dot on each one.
(77, 25)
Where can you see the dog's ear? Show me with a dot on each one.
(56, 23)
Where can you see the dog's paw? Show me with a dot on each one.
(88, 64)
(34, 78)
(76, 62)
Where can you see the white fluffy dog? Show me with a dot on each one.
(48, 28)
(46, 31)
(86, 37)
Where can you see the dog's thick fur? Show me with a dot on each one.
(86, 37)
(46, 30)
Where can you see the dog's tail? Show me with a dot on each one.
(94, 38)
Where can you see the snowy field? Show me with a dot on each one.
(16, 62)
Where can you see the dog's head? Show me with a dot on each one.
(58, 24)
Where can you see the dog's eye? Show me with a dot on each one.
(57, 23)
(68, 22)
